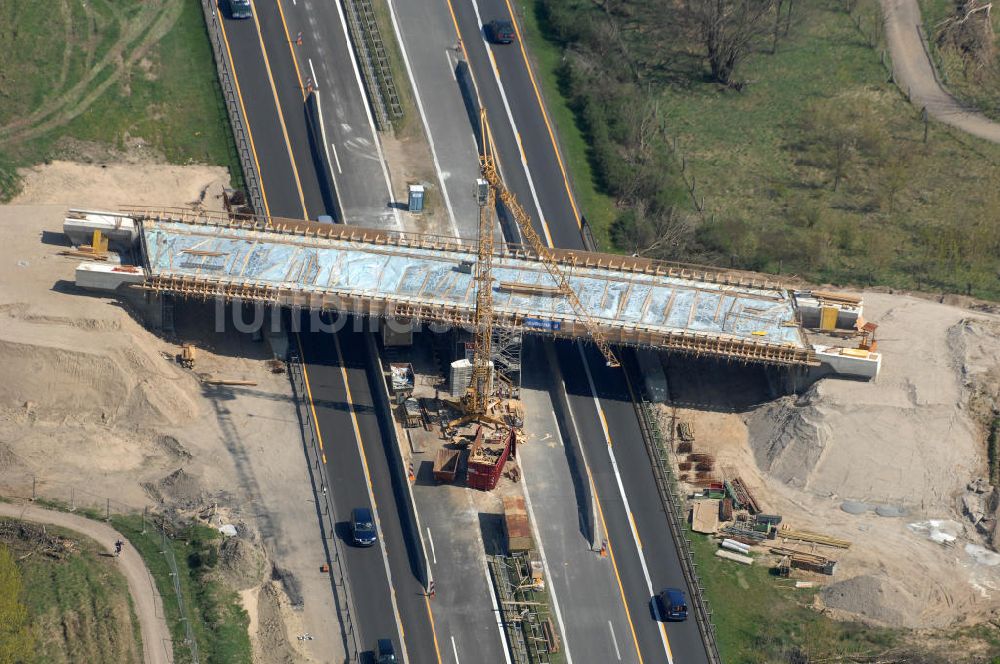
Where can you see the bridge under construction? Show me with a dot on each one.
(299, 264)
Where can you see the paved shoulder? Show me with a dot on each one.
(156, 644)
(913, 70)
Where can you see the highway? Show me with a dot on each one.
(325, 59)
(269, 80)
(388, 599)
(643, 554)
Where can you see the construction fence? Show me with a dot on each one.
(156, 528)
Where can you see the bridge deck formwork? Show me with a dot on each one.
(635, 301)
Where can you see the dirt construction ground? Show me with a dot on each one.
(94, 406)
(885, 464)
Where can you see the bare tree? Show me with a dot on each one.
(729, 30)
(664, 235)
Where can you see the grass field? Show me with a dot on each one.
(219, 621)
(818, 165)
(86, 76)
(80, 608)
(760, 618)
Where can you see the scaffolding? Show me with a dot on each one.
(635, 302)
(531, 634)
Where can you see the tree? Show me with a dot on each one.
(729, 30)
(16, 639)
(663, 235)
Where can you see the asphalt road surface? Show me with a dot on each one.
(389, 601)
(271, 151)
(644, 554)
(354, 442)
(325, 59)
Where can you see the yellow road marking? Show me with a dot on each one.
(281, 116)
(635, 529)
(545, 116)
(430, 614)
(614, 566)
(309, 394)
(239, 95)
(295, 61)
(354, 416)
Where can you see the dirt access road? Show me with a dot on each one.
(156, 644)
(912, 67)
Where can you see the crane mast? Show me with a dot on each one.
(476, 403)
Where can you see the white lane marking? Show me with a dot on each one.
(371, 495)
(451, 64)
(368, 113)
(325, 142)
(628, 509)
(614, 641)
(313, 71)
(423, 118)
(336, 157)
(555, 422)
(454, 649)
(496, 612)
(433, 553)
(545, 563)
(517, 134)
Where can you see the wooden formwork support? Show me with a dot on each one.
(379, 307)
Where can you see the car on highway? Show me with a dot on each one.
(500, 31)
(672, 604)
(384, 652)
(239, 8)
(363, 526)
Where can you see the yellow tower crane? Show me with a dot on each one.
(477, 399)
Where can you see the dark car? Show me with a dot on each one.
(384, 652)
(239, 8)
(363, 526)
(673, 604)
(500, 32)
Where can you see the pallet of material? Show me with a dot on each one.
(735, 557)
(705, 516)
(806, 560)
(743, 496)
(815, 538)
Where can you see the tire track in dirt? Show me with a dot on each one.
(145, 29)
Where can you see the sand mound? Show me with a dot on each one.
(907, 439)
(105, 186)
(242, 562)
(78, 387)
(876, 599)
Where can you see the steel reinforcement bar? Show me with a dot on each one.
(251, 178)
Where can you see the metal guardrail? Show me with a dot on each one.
(324, 500)
(238, 123)
(673, 505)
(372, 58)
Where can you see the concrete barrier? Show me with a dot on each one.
(579, 464)
(398, 466)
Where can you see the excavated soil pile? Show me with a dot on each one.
(907, 441)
